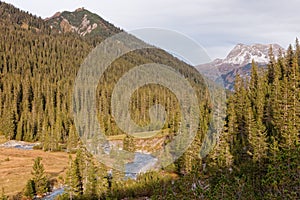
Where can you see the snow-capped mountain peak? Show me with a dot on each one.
(238, 60)
(243, 54)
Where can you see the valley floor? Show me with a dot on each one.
(16, 166)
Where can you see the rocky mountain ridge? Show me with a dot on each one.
(239, 61)
(82, 22)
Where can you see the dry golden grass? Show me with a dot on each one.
(16, 166)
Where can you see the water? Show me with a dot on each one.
(24, 147)
(141, 163)
(19, 145)
(54, 194)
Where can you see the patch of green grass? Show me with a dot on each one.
(141, 135)
(116, 137)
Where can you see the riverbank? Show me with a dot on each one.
(16, 166)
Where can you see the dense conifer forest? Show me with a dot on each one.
(257, 155)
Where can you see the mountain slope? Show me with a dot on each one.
(37, 74)
(244, 54)
(12, 16)
(81, 22)
(228, 79)
(38, 70)
(237, 61)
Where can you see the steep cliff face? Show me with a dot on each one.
(82, 22)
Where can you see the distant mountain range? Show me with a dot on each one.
(94, 28)
(238, 61)
(90, 25)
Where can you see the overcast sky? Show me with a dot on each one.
(217, 25)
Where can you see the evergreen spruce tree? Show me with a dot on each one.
(240, 135)
(12, 126)
(72, 141)
(91, 185)
(256, 128)
(273, 101)
(290, 108)
(68, 180)
(76, 177)
(221, 156)
(297, 50)
(41, 182)
(128, 143)
(30, 191)
(271, 66)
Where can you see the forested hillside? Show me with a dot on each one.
(257, 156)
(258, 153)
(38, 70)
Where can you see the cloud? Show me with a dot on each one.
(215, 24)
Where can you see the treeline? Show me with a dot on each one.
(84, 179)
(12, 16)
(263, 114)
(257, 156)
(258, 153)
(37, 73)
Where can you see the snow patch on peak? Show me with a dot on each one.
(244, 54)
(239, 46)
(239, 58)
